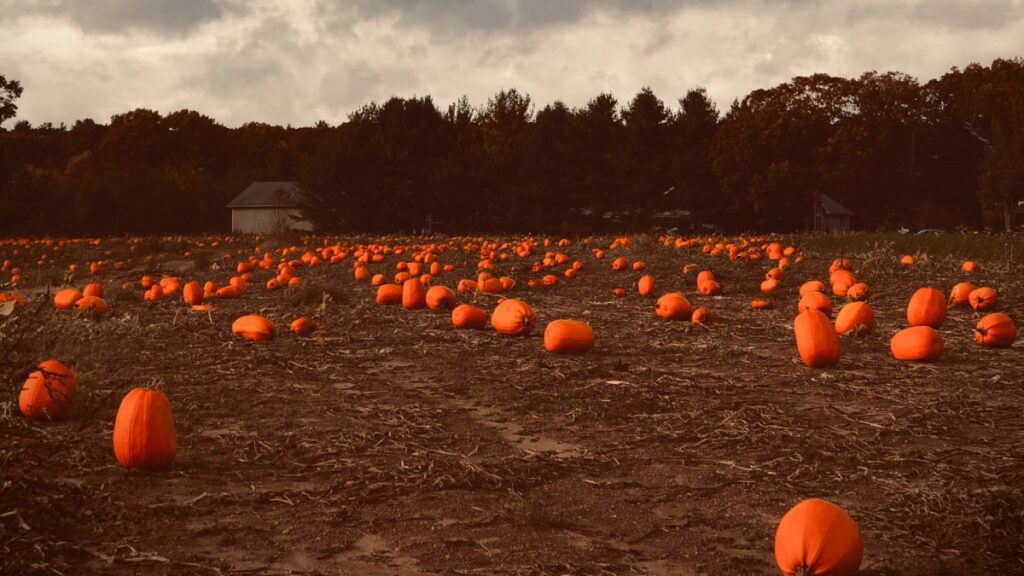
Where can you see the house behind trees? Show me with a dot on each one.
(266, 207)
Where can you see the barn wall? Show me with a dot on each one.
(265, 220)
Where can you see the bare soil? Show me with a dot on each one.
(393, 444)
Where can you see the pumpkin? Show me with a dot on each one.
(618, 293)
(770, 285)
(414, 294)
(65, 299)
(916, 344)
(568, 337)
(303, 326)
(709, 288)
(969, 266)
(192, 293)
(389, 294)
(439, 297)
(907, 260)
(982, 299)
(812, 286)
(253, 327)
(620, 263)
(927, 307)
(144, 435)
(47, 391)
(467, 316)
(701, 316)
(761, 304)
(855, 318)
(92, 305)
(859, 291)
(705, 276)
(818, 538)
(816, 339)
(93, 289)
(673, 306)
(223, 292)
(996, 330)
(960, 294)
(513, 318)
(817, 301)
(646, 285)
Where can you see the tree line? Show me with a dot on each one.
(946, 153)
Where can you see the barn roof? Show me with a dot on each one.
(833, 208)
(268, 195)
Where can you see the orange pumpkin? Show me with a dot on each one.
(817, 301)
(969, 266)
(439, 297)
(95, 307)
(761, 304)
(65, 299)
(701, 316)
(568, 337)
(770, 285)
(996, 330)
(916, 344)
(620, 263)
(818, 538)
(414, 294)
(673, 306)
(192, 293)
(859, 291)
(47, 391)
(812, 286)
(389, 294)
(144, 435)
(960, 294)
(816, 339)
(709, 288)
(93, 289)
(618, 293)
(303, 326)
(645, 285)
(927, 307)
(982, 299)
(253, 327)
(513, 318)
(855, 318)
(467, 316)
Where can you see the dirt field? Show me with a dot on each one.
(394, 444)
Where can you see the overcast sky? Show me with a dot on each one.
(299, 61)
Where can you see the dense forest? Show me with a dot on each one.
(943, 154)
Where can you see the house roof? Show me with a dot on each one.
(833, 208)
(268, 195)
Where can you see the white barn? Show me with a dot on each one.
(831, 216)
(265, 207)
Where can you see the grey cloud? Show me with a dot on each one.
(453, 17)
(166, 17)
(974, 14)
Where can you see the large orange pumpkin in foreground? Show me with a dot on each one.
(816, 339)
(47, 391)
(568, 337)
(916, 344)
(513, 318)
(818, 538)
(253, 327)
(927, 307)
(144, 435)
